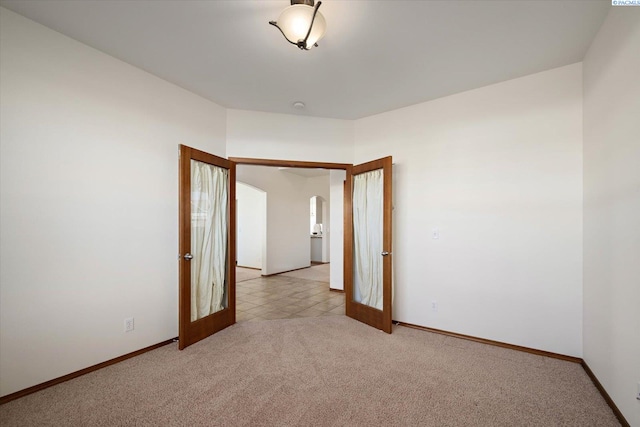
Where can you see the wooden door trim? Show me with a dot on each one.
(288, 163)
(347, 257)
(191, 332)
(380, 319)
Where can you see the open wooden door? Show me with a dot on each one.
(207, 300)
(368, 243)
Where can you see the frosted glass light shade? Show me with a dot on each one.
(294, 23)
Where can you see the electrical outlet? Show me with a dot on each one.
(128, 324)
(434, 305)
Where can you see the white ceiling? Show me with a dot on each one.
(376, 56)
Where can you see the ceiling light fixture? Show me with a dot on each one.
(301, 24)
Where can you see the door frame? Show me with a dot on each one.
(347, 167)
(372, 317)
(289, 163)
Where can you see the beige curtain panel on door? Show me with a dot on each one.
(368, 192)
(209, 212)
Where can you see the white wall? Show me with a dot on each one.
(498, 171)
(319, 186)
(288, 137)
(287, 229)
(336, 184)
(251, 209)
(318, 208)
(326, 235)
(88, 219)
(612, 208)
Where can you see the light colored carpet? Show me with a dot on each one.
(319, 273)
(328, 371)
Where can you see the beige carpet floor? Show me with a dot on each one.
(326, 371)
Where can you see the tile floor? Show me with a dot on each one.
(282, 297)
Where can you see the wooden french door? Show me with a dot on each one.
(368, 243)
(207, 215)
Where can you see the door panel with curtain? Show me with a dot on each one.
(368, 243)
(207, 240)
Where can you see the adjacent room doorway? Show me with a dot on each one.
(207, 240)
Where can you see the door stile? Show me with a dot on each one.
(348, 241)
(184, 216)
